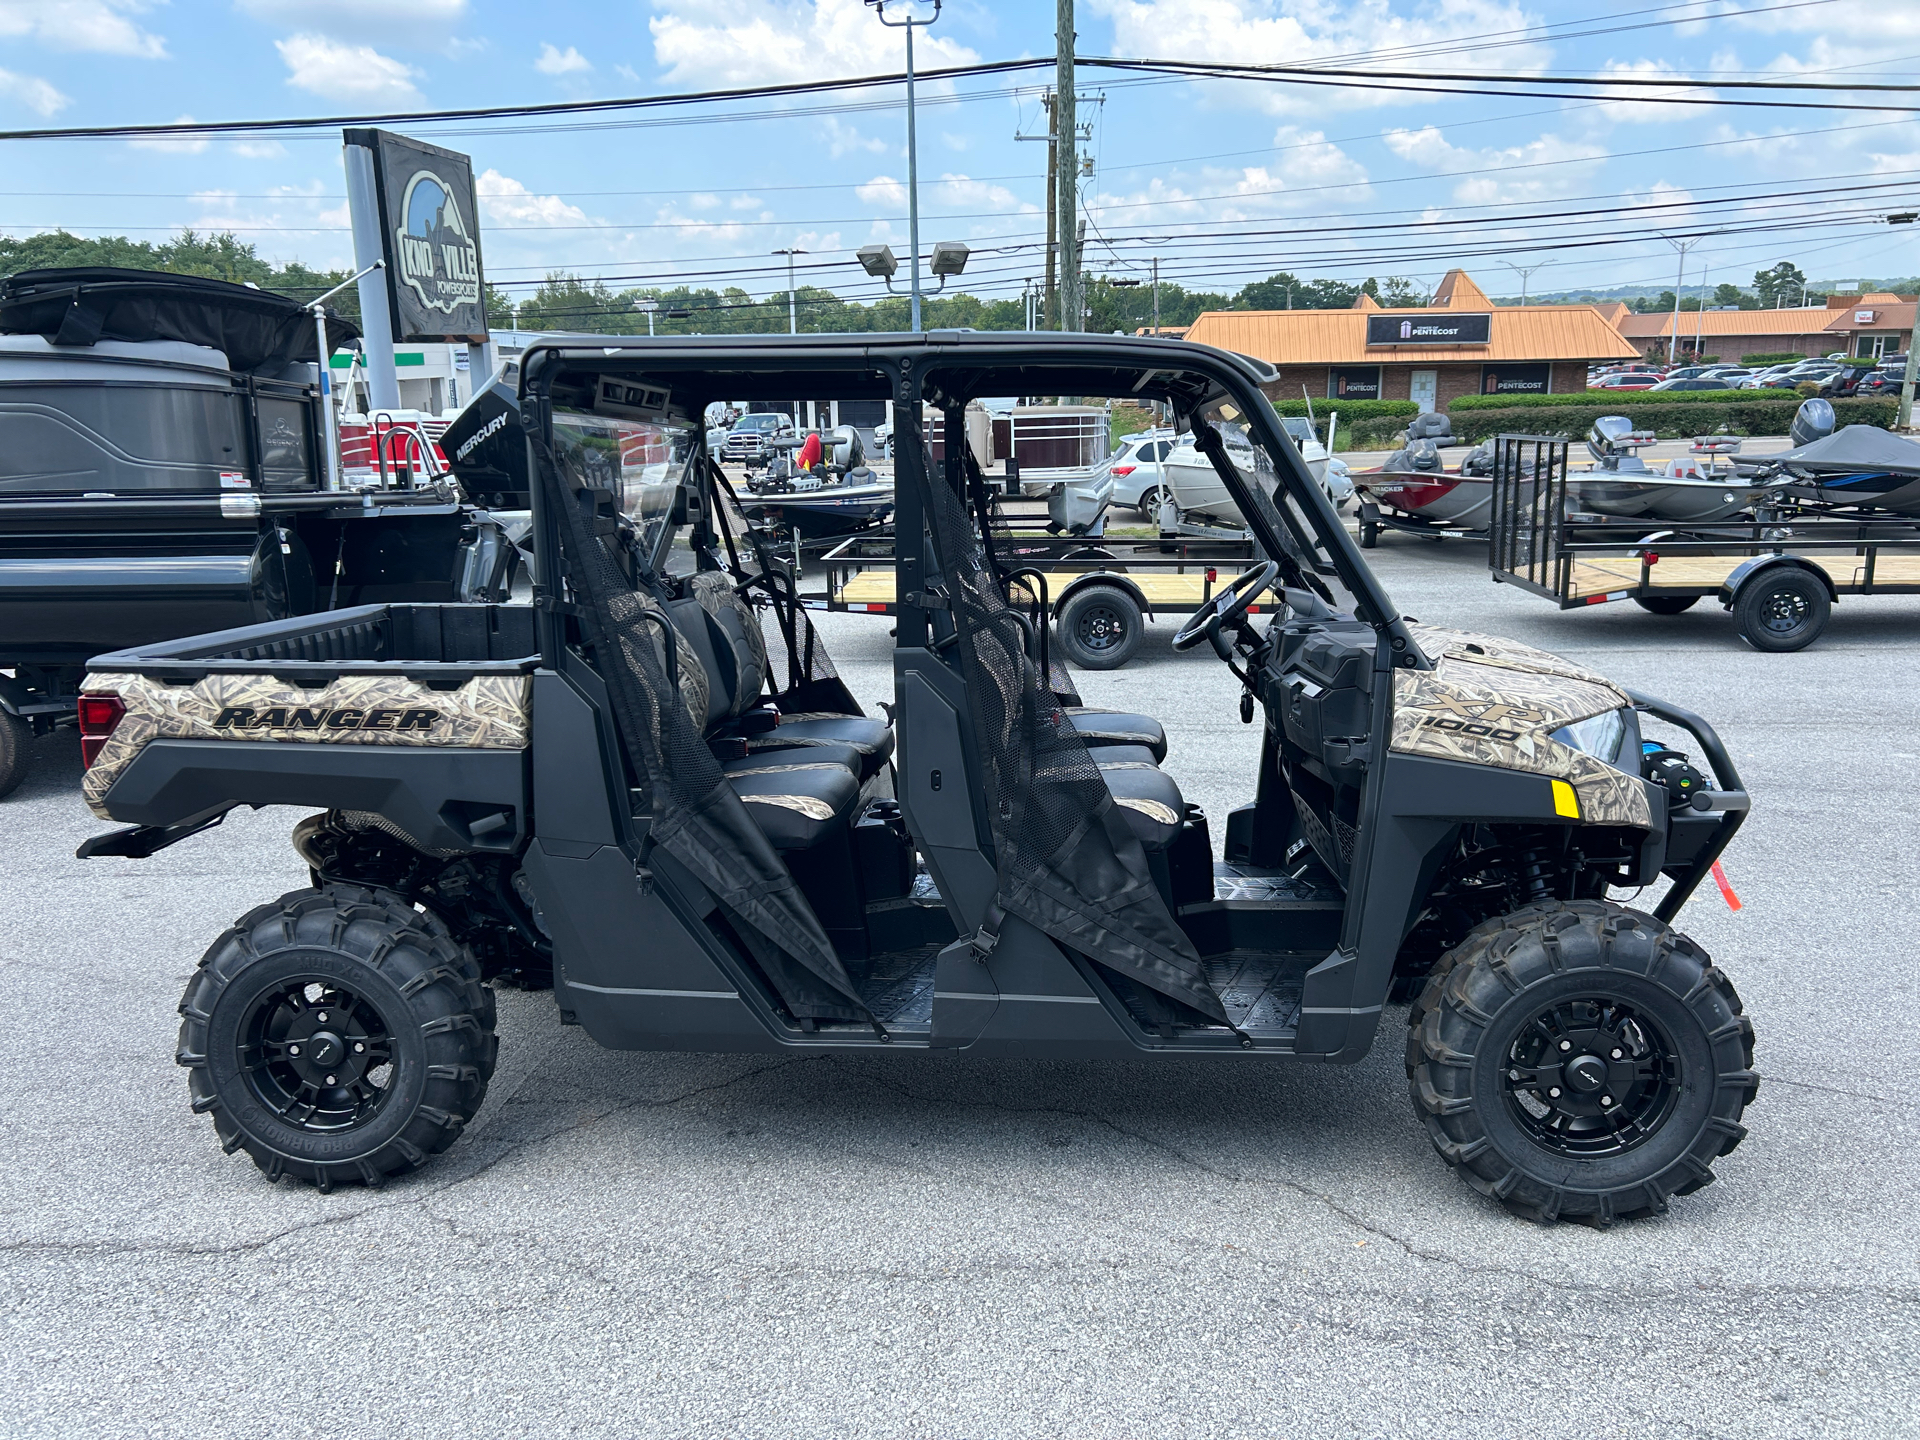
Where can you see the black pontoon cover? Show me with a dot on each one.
(1858, 447)
(258, 331)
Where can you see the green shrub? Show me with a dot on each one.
(1861, 362)
(1350, 410)
(1671, 422)
(1379, 433)
(1772, 357)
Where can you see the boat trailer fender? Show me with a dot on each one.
(13, 695)
(1104, 577)
(1746, 571)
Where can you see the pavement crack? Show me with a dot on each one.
(1834, 1090)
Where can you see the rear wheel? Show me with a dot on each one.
(1782, 610)
(1100, 627)
(1149, 506)
(1369, 534)
(14, 735)
(1580, 1061)
(337, 1035)
(1666, 604)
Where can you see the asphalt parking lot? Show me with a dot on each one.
(685, 1245)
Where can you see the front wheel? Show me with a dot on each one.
(337, 1035)
(1100, 627)
(1580, 1061)
(1369, 534)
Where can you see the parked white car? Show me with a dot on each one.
(1135, 468)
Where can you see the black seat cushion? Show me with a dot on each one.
(1146, 795)
(797, 800)
(1117, 727)
(844, 755)
(872, 738)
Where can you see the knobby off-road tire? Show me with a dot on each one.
(337, 1035)
(1580, 1061)
(14, 735)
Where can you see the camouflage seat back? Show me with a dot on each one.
(738, 623)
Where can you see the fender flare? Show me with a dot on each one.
(13, 695)
(1745, 572)
(1104, 577)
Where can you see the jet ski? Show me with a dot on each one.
(1684, 491)
(839, 496)
(1860, 465)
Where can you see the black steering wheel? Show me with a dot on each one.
(1227, 605)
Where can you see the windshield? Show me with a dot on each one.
(759, 422)
(640, 464)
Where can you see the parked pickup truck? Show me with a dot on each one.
(163, 472)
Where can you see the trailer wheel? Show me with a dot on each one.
(1369, 534)
(1665, 604)
(1100, 627)
(1581, 1061)
(14, 735)
(1782, 610)
(337, 1035)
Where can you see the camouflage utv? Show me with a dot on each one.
(651, 787)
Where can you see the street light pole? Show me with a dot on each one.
(913, 148)
(793, 309)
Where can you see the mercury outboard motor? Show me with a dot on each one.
(844, 450)
(1429, 427)
(1812, 421)
(487, 448)
(1612, 442)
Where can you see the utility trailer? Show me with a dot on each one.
(1778, 570)
(1099, 597)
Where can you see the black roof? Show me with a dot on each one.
(256, 329)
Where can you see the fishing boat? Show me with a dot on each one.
(1416, 485)
(1689, 490)
(838, 497)
(1861, 465)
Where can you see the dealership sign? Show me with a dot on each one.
(1444, 328)
(1516, 379)
(1353, 382)
(430, 238)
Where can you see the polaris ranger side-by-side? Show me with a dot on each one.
(163, 472)
(653, 784)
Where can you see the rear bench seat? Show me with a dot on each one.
(802, 779)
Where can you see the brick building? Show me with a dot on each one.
(1869, 325)
(1733, 333)
(1461, 344)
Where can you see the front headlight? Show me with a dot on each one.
(1598, 736)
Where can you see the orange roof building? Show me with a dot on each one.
(1733, 333)
(1461, 344)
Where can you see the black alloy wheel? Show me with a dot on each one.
(1782, 610)
(1580, 1061)
(1100, 627)
(337, 1035)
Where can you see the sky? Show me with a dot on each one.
(1223, 181)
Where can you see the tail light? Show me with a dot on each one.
(98, 715)
(1123, 469)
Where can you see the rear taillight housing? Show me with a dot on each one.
(1123, 469)
(98, 715)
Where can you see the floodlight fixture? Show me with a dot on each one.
(879, 261)
(949, 258)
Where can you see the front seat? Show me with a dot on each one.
(1101, 728)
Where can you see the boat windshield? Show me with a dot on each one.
(641, 464)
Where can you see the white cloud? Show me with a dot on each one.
(340, 71)
(1640, 111)
(412, 22)
(883, 190)
(100, 26)
(627, 73)
(1321, 172)
(185, 145)
(843, 138)
(704, 200)
(561, 62)
(33, 92)
(1273, 32)
(504, 199)
(786, 41)
(958, 190)
(744, 202)
(259, 149)
(1501, 175)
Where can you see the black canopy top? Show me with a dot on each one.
(257, 330)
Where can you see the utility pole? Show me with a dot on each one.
(1526, 274)
(1050, 305)
(1156, 296)
(793, 310)
(1066, 167)
(1673, 330)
